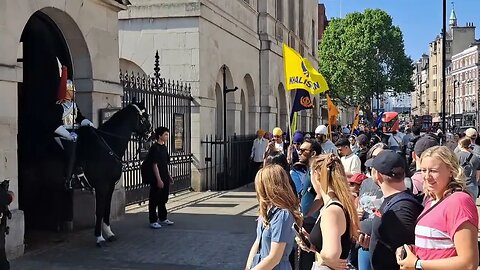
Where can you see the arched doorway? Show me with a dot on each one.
(282, 108)
(243, 113)
(43, 40)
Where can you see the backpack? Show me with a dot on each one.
(146, 170)
(409, 185)
(402, 196)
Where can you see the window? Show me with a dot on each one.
(314, 39)
(435, 82)
(291, 15)
(279, 10)
(434, 69)
(301, 19)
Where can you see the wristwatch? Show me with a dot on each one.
(418, 265)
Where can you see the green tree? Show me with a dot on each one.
(362, 55)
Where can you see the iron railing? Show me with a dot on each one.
(168, 104)
(238, 166)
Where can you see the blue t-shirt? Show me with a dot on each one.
(280, 231)
(307, 196)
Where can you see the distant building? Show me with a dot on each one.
(419, 97)
(458, 39)
(463, 82)
(196, 38)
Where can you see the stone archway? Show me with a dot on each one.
(230, 102)
(48, 34)
(253, 122)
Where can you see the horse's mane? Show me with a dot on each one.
(116, 119)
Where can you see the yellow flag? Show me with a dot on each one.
(300, 73)
(332, 112)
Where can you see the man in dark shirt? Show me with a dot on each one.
(160, 186)
(362, 141)
(394, 222)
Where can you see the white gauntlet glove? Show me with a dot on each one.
(62, 131)
(86, 122)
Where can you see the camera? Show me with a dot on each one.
(5, 212)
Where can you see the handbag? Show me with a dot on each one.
(257, 258)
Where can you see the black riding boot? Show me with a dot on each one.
(69, 147)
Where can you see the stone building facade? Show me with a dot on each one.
(463, 82)
(458, 39)
(196, 38)
(84, 36)
(420, 81)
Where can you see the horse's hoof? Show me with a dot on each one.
(101, 244)
(112, 238)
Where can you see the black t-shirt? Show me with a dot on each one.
(159, 155)
(362, 154)
(390, 231)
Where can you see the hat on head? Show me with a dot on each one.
(471, 132)
(389, 163)
(277, 131)
(261, 132)
(322, 129)
(423, 144)
(342, 142)
(298, 137)
(357, 178)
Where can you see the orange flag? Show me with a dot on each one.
(332, 112)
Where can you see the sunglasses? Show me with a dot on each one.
(301, 150)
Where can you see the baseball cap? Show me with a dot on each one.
(357, 178)
(389, 163)
(322, 129)
(470, 132)
(423, 144)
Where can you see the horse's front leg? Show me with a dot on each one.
(106, 216)
(100, 209)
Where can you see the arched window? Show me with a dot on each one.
(279, 10)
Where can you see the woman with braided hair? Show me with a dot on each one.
(337, 225)
(278, 211)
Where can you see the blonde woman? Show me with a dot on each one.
(278, 211)
(337, 226)
(446, 231)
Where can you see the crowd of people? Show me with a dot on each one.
(366, 199)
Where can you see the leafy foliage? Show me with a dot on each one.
(363, 54)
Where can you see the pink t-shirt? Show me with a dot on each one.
(435, 231)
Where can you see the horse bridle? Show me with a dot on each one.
(142, 120)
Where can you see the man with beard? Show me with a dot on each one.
(325, 143)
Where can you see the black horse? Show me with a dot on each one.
(99, 152)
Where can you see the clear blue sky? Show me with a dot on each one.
(419, 20)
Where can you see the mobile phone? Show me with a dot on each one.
(299, 233)
(403, 253)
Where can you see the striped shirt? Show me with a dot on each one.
(435, 231)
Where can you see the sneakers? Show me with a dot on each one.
(155, 225)
(167, 222)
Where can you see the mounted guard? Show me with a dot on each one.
(68, 118)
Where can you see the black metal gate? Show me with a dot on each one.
(238, 169)
(168, 104)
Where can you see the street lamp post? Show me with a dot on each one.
(226, 90)
(444, 61)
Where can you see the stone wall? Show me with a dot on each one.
(90, 30)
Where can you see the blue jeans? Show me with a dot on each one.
(364, 260)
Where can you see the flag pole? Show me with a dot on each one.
(290, 118)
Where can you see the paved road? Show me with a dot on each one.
(213, 230)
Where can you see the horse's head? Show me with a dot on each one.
(143, 127)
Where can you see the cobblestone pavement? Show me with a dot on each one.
(213, 230)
